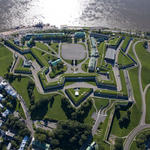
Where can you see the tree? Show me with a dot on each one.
(118, 144)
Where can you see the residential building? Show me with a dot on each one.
(10, 91)
(9, 146)
(92, 64)
(23, 143)
(9, 135)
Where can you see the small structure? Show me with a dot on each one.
(93, 42)
(94, 52)
(23, 143)
(1, 106)
(10, 91)
(42, 146)
(54, 63)
(9, 135)
(5, 113)
(27, 63)
(110, 55)
(92, 146)
(79, 35)
(76, 93)
(92, 64)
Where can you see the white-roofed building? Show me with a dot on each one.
(110, 55)
(5, 113)
(23, 143)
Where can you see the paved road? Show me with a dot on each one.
(129, 86)
(142, 124)
(132, 135)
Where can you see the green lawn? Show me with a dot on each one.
(55, 46)
(38, 54)
(125, 43)
(82, 93)
(133, 73)
(114, 41)
(6, 58)
(55, 112)
(134, 121)
(42, 46)
(147, 107)
(123, 59)
(85, 65)
(29, 56)
(144, 57)
(130, 52)
(124, 88)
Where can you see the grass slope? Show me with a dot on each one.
(6, 58)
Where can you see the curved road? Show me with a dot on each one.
(142, 124)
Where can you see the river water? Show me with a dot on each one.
(125, 14)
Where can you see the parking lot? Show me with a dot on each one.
(73, 51)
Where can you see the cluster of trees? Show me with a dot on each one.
(11, 77)
(125, 119)
(143, 140)
(18, 127)
(118, 144)
(40, 108)
(68, 134)
(30, 89)
(76, 114)
(10, 102)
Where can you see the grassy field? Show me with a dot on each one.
(42, 46)
(101, 51)
(124, 88)
(130, 52)
(133, 73)
(144, 57)
(147, 106)
(135, 118)
(85, 66)
(82, 93)
(54, 112)
(29, 57)
(38, 54)
(123, 59)
(125, 43)
(6, 58)
(114, 41)
(55, 46)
